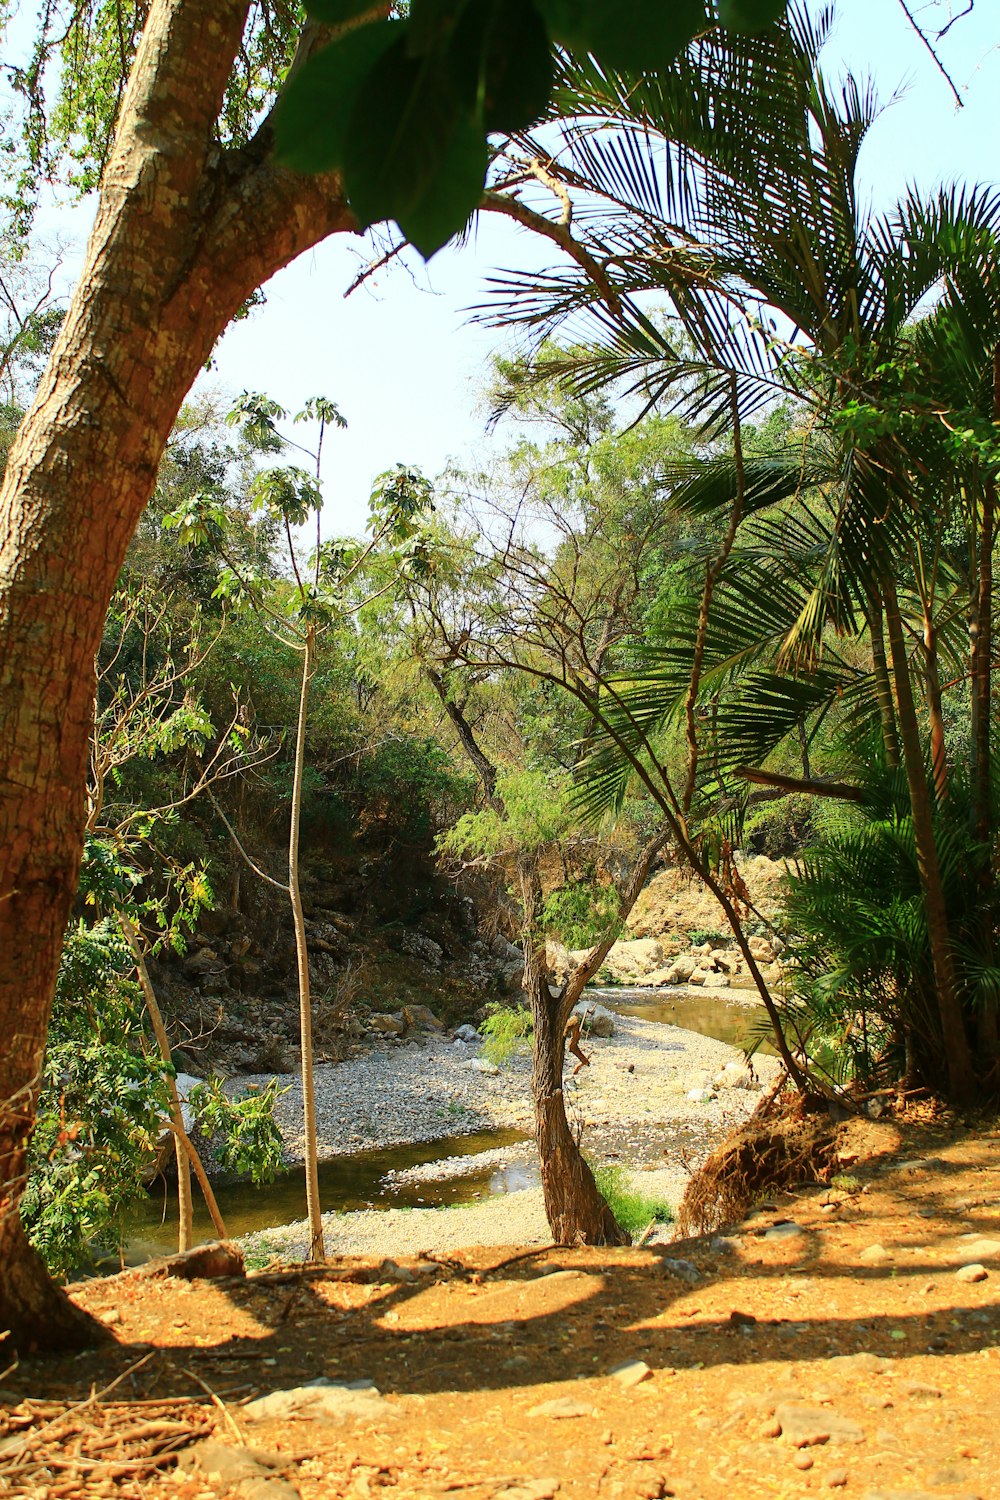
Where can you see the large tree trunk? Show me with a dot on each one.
(184, 233)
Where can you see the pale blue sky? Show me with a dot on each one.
(407, 368)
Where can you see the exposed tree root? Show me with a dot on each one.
(779, 1146)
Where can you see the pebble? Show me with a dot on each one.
(917, 1390)
(785, 1231)
(685, 1269)
(803, 1460)
(974, 1272)
(562, 1407)
(874, 1255)
(633, 1372)
(531, 1489)
(835, 1479)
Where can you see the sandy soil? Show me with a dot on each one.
(833, 1344)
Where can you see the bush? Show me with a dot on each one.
(633, 1209)
(505, 1032)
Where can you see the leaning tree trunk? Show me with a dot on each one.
(575, 1209)
(184, 233)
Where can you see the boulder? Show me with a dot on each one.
(419, 945)
(423, 1017)
(631, 961)
(466, 1033)
(597, 1019)
(386, 1024)
(684, 966)
(663, 976)
(726, 960)
(761, 949)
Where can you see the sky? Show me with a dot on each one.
(402, 358)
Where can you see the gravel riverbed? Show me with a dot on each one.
(632, 1105)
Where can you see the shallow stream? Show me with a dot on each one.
(361, 1180)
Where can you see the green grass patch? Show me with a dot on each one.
(633, 1209)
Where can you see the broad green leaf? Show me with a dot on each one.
(501, 63)
(635, 35)
(412, 154)
(750, 15)
(450, 199)
(314, 111)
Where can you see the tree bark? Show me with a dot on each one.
(313, 1211)
(958, 1056)
(574, 1207)
(185, 231)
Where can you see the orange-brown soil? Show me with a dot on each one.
(847, 1358)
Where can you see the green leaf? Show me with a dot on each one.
(412, 154)
(637, 35)
(313, 114)
(750, 15)
(501, 63)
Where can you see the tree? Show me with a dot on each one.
(195, 212)
(731, 189)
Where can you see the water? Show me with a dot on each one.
(345, 1182)
(359, 1181)
(708, 1015)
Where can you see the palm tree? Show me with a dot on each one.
(727, 186)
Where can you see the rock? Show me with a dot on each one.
(479, 1065)
(597, 1019)
(874, 1255)
(786, 1231)
(243, 1472)
(329, 1400)
(422, 1016)
(661, 977)
(761, 949)
(386, 1024)
(559, 962)
(917, 1390)
(699, 1096)
(723, 959)
(683, 966)
(869, 1364)
(835, 1479)
(721, 1244)
(977, 1247)
(419, 945)
(633, 1372)
(531, 1489)
(970, 1273)
(685, 1270)
(803, 1460)
(562, 1407)
(630, 961)
(466, 1033)
(734, 1076)
(809, 1426)
(698, 977)
(390, 1271)
(204, 961)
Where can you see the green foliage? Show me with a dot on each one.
(633, 1209)
(864, 992)
(505, 1032)
(102, 1098)
(403, 107)
(537, 813)
(781, 828)
(698, 936)
(250, 1142)
(580, 914)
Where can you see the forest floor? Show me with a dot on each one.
(835, 1341)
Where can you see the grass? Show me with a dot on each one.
(633, 1209)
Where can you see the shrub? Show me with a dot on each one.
(505, 1032)
(633, 1209)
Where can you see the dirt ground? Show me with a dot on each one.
(832, 1343)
